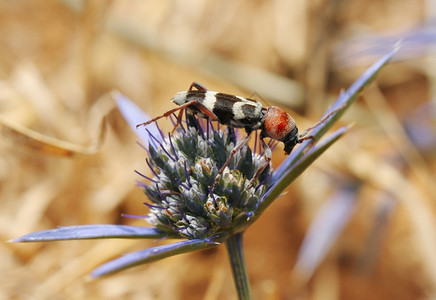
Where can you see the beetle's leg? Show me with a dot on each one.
(302, 137)
(201, 108)
(198, 86)
(268, 155)
(311, 144)
(193, 102)
(206, 111)
(234, 151)
(323, 119)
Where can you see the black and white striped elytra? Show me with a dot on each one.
(235, 111)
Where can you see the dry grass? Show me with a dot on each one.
(59, 59)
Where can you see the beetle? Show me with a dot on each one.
(240, 112)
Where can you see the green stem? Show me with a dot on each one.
(236, 255)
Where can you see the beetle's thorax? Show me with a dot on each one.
(277, 124)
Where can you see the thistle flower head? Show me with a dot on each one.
(186, 165)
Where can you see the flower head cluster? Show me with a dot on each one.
(186, 165)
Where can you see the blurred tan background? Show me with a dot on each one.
(60, 59)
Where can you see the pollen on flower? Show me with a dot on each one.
(186, 165)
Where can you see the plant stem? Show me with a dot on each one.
(236, 255)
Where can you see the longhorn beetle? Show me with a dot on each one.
(240, 112)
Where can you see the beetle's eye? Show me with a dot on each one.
(277, 123)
